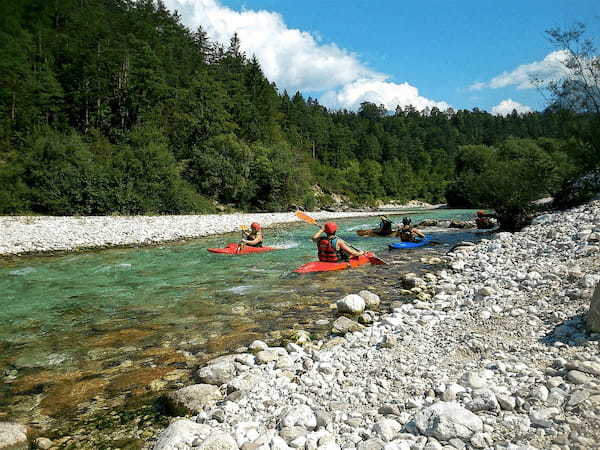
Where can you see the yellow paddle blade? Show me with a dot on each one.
(244, 227)
(300, 215)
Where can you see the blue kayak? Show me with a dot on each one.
(420, 243)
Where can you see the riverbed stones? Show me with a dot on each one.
(13, 436)
(343, 325)
(218, 441)
(352, 304)
(217, 372)
(447, 420)
(592, 320)
(192, 399)
(181, 434)
(299, 416)
(372, 300)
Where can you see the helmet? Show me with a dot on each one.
(480, 213)
(330, 228)
(406, 221)
(255, 226)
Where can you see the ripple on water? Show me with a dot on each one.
(240, 290)
(22, 272)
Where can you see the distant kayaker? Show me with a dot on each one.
(385, 226)
(332, 248)
(408, 233)
(484, 221)
(254, 237)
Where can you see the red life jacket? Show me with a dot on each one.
(327, 251)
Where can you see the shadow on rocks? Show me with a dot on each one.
(570, 332)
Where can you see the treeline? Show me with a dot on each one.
(114, 107)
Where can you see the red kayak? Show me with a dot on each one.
(233, 249)
(318, 266)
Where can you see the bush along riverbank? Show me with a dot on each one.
(493, 353)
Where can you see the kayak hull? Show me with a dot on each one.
(401, 245)
(319, 266)
(232, 249)
(374, 233)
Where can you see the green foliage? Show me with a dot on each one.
(508, 178)
(113, 106)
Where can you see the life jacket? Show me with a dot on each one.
(483, 223)
(385, 227)
(406, 235)
(251, 237)
(327, 251)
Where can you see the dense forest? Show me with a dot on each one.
(115, 107)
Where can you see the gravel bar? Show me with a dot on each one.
(21, 235)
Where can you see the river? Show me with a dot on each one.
(87, 336)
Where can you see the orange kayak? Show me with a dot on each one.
(319, 266)
(233, 249)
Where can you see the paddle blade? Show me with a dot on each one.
(300, 215)
(363, 232)
(244, 227)
(376, 261)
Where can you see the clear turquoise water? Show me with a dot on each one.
(58, 313)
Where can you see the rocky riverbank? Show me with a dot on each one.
(488, 349)
(40, 234)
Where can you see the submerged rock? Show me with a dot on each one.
(343, 325)
(192, 399)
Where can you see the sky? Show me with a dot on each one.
(444, 53)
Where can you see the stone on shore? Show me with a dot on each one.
(217, 372)
(299, 416)
(352, 304)
(13, 436)
(192, 399)
(181, 434)
(372, 300)
(343, 325)
(218, 441)
(593, 315)
(447, 420)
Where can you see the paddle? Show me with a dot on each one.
(244, 229)
(306, 218)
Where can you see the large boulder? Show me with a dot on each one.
(13, 436)
(593, 315)
(343, 325)
(353, 304)
(218, 371)
(447, 420)
(181, 434)
(192, 399)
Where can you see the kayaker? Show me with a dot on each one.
(484, 221)
(408, 233)
(385, 226)
(332, 248)
(254, 237)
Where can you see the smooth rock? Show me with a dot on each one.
(299, 416)
(192, 399)
(343, 325)
(219, 441)
(181, 434)
(352, 304)
(387, 429)
(372, 300)
(218, 372)
(447, 420)
(13, 435)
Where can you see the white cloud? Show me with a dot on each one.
(506, 107)
(380, 92)
(297, 60)
(551, 68)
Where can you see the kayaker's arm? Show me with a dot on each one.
(257, 240)
(343, 246)
(418, 233)
(317, 235)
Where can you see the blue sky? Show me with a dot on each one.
(460, 53)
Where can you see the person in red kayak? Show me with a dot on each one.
(332, 248)
(252, 238)
(483, 220)
(408, 233)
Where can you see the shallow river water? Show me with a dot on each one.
(101, 331)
